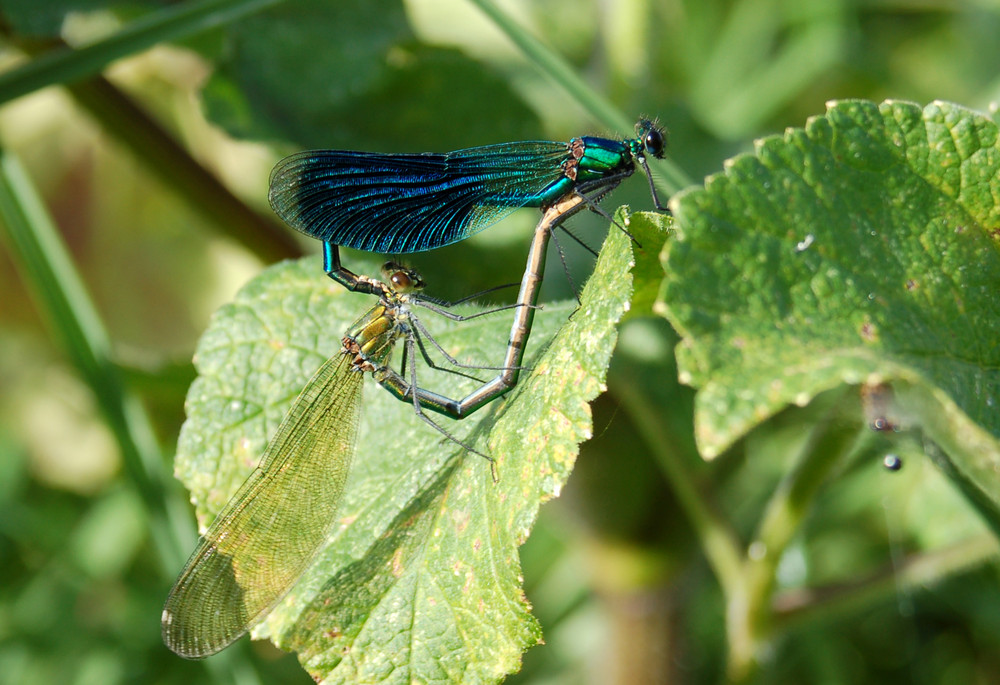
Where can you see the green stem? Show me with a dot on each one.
(800, 608)
(719, 542)
(172, 164)
(46, 268)
(561, 72)
(176, 21)
(965, 450)
(748, 615)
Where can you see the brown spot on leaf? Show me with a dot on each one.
(869, 331)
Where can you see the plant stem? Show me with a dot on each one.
(555, 67)
(749, 612)
(175, 21)
(720, 544)
(45, 266)
(798, 608)
(166, 159)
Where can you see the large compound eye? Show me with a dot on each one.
(654, 141)
(400, 281)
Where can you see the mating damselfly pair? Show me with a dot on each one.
(272, 528)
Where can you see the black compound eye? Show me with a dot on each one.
(654, 141)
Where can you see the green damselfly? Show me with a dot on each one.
(272, 528)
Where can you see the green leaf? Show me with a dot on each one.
(648, 272)
(352, 75)
(298, 63)
(860, 249)
(421, 579)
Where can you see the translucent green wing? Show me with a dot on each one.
(272, 528)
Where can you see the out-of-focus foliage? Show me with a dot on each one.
(614, 569)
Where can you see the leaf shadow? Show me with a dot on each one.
(332, 621)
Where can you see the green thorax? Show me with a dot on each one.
(371, 338)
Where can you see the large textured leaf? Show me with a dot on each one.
(863, 248)
(420, 581)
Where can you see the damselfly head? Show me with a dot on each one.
(652, 136)
(401, 279)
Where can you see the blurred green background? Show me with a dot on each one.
(613, 569)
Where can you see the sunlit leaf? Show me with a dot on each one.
(421, 580)
(863, 248)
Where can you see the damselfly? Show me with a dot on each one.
(271, 529)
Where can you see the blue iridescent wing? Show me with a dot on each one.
(404, 203)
